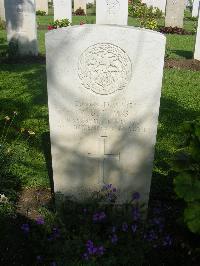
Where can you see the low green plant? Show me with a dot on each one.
(187, 179)
(2, 24)
(40, 13)
(141, 10)
(149, 23)
(148, 15)
(59, 24)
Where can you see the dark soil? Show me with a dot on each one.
(189, 64)
(31, 199)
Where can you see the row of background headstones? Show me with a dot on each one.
(60, 6)
(42, 5)
(21, 21)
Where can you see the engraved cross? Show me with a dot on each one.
(103, 157)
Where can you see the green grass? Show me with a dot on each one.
(180, 101)
(23, 89)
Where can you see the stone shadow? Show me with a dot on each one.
(182, 53)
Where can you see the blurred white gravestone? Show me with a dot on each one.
(197, 44)
(2, 10)
(112, 12)
(161, 4)
(80, 4)
(21, 26)
(42, 5)
(195, 8)
(63, 9)
(174, 13)
(104, 85)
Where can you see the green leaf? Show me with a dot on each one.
(192, 217)
(187, 187)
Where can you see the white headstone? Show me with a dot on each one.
(161, 4)
(80, 4)
(195, 8)
(104, 86)
(112, 12)
(63, 9)
(2, 10)
(42, 5)
(197, 44)
(21, 25)
(174, 13)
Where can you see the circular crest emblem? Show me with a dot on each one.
(104, 68)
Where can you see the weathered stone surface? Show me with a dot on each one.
(21, 26)
(42, 5)
(80, 3)
(63, 9)
(195, 8)
(161, 4)
(104, 86)
(174, 13)
(197, 44)
(112, 12)
(2, 10)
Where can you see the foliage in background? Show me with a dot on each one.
(79, 12)
(40, 13)
(59, 24)
(148, 15)
(2, 24)
(91, 9)
(187, 180)
(149, 23)
(175, 30)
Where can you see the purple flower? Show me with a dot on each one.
(107, 186)
(114, 189)
(136, 196)
(150, 236)
(167, 241)
(92, 250)
(84, 210)
(114, 239)
(124, 227)
(40, 220)
(99, 216)
(53, 263)
(89, 243)
(134, 227)
(25, 228)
